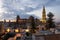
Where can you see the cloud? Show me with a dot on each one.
(10, 8)
(25, 4)
(19, 7)
(37, 13)
(54, 10)
(53, 3)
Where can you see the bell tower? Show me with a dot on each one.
(44, 15)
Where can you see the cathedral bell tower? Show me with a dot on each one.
(44, 15)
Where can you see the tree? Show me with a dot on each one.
(33, 27)
(8, 35)
(50, 22)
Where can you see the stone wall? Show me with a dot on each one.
(48, 37)
(52, 37)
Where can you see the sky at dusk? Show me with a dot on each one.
(9, 9)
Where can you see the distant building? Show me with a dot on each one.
(21, 23)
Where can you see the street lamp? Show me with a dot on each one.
(27, 30)
(16, 30)
(8, 30)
